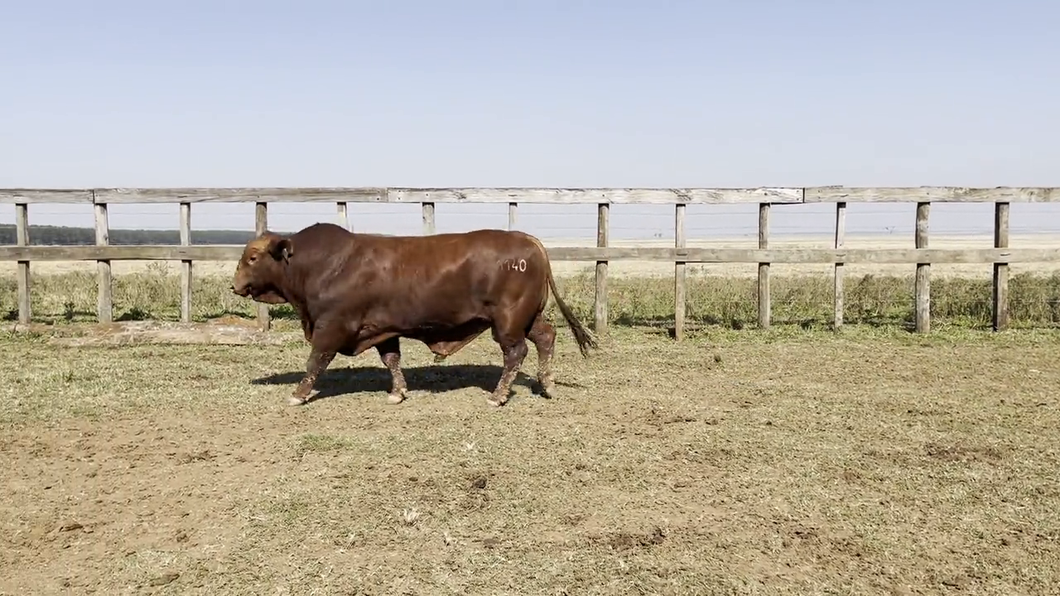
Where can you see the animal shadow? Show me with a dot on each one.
(431, 378)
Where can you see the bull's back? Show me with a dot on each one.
(441, 255)
(454, 277)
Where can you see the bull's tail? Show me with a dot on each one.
(583, 336)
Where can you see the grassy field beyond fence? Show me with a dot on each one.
(731, 302)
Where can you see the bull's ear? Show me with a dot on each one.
(281, 248)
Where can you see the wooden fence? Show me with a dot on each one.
(921, 256)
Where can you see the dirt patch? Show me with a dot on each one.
(797, 463)
(962, 452)
(626, 541)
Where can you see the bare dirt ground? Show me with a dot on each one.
(739, 463)
(654, 268)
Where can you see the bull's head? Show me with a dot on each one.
(260, 270)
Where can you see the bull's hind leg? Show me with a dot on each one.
(390, 353)
(513, 346)
(543, 334)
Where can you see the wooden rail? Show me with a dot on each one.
(1000, 255)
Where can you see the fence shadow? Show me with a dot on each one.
(431, 378)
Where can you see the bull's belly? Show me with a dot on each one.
(442, 338)
(434, 333)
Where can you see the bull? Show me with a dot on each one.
(357, 291)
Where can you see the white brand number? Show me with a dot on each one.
(519, 265)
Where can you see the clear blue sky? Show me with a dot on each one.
(543, 93)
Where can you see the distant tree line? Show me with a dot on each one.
(70, 236)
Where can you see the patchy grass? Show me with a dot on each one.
(784, 462)
(731, 302)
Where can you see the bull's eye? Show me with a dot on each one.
(252, 259)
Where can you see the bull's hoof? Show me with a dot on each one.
(294, 400)
(395, 398)
(547, 389)
(495, 401)
(439, 358)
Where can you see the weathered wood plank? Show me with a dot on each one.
(923, 271)
(105, 298)
(891, 256)
(513, 209)
(240, 195)
(261, 224)
(840, 237)
(600, 300)
(931, 194)
(833, 194)
(664, 196)
(160, 252)
(185, 264)
(1000, 298)
(343, 215)
(26, 196)
(764, 309)
(680, 274)
(128, 333)
(25, 304)
(428, 218)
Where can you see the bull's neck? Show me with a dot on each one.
(292, 284)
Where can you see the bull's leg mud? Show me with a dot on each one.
(316, 364)
(390, 354)
(514, 353)
(543, 334)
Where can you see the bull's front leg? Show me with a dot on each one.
(318, 361)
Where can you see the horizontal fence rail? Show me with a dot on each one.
(685, 196)
(804, 256)
(1000, 255)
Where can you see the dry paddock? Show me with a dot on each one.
(780, 462)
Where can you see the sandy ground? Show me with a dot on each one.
(649, 268)
(739, 463)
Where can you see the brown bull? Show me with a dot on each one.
(358, 291)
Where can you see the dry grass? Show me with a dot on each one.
(152, 292)
(782, 462)
(793, 461)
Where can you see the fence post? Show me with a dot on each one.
(25, 311)
(261, 224)
(1001, 211)
(344, 215)
(600, 303)
(923, 272)
(428, 218)
(105, 303)
(679, 273)
(840, 233)
(185, 264)
(512, 209)
(763, 268)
